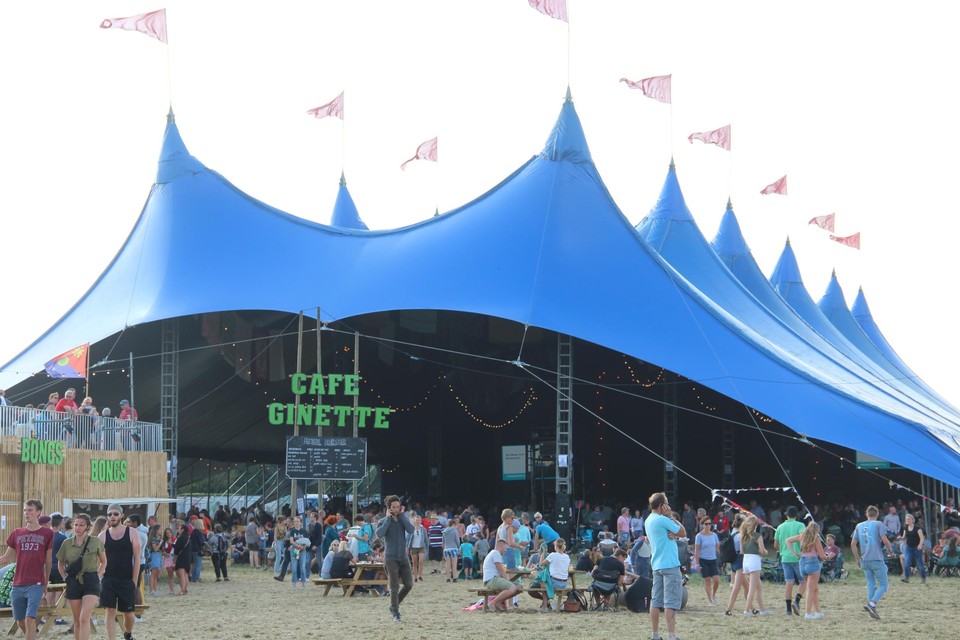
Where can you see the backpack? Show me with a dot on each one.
(728, 551)
(638, 595)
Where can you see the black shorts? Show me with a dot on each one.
(88, 584)
(435, 553)
(118, 594)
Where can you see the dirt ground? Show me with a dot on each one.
(253, 605)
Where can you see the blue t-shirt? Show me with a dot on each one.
(522, 535)
(546, 533)
(364, 547)
(466, 550)
(868, 536)
(708, 545)
(663, 549)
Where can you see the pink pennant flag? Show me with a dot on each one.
(154, 24)
(850, 241)
(824, 222)
(333, 108)
(657, 87)
(553, 8)
(426, 151)
(780, 186)
(719, 137)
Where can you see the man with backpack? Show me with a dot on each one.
(219, 549)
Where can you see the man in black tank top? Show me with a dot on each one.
(117, 589)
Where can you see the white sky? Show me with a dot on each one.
(854, 101)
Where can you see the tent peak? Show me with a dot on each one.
(569, 96)
(670, 205)
(567, 141)
(729, 204)
(345, 214)
(343, 179)
(729, 240)
(787, 270)
(175, 160)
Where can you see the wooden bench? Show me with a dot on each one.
(329, 583)
(52, 612)
(559, 595)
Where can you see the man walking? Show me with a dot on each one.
(790, 561)
(393, 530)
(32, 548)
(117, 588)
(663, 531)
(865, 544)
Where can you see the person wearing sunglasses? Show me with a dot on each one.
(117, 588)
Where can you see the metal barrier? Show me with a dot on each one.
(81, 430)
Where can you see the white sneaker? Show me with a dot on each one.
(818, 615)
(766, 612)
(809, 616)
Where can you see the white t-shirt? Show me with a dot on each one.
(490, 570)
(559, 566)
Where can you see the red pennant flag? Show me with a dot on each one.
(850, 241)
(824, 222)
(71, 364)
(657, 87)
(553, 8)
(719, 137)
(333, 108)
(780, 187)
(426, 151)
(154, 24)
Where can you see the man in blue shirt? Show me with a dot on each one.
(662, 531)
(865, 544)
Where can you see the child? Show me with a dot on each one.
(811, 555)
(466, 557)
(451, 550)
(482, 548)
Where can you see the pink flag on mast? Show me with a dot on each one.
(657, 87)
(850, 241)
(332, 108)
(719, 137)
(824, 222)
(154, 24)
(553, 8)
(426, 151)
(780, 187)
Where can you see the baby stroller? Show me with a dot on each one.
(585, 537)
(606, 590)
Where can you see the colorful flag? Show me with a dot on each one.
(553, 8)
(426, 151)
(154, 24)
(657, 87)
(780, 186)
(719, 137)
(824, 222)
(72, 364)
(332, 108)
(850, 241)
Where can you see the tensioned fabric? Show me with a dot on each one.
(547, 247)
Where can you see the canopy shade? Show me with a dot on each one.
(547, 247)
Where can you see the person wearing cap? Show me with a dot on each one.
(790, 559)
(117, 587)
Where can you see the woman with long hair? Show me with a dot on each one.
(751, 543)
(737, 581)
(155, 557)
(83, 588)
(811, 559)
(279, 544)
(182, 558)
(166, 549)
(98, 525)
(417, 546)
(913, 539)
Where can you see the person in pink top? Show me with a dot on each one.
(623, 526)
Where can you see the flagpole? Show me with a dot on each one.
(343, 137)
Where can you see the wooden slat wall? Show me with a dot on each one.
(19, 481)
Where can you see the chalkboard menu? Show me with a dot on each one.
(326, 458)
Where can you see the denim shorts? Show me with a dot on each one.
(791, 571)
(667, 589)
(810, 566)
(26, 600)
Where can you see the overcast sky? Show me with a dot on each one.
(853, 101)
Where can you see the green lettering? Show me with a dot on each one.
(42, 449)
(275, 413)
(93, 471)
(298, 383)
(362, 414)
(123, 471)
(25, 450)
(305, 414)
(333, 381)
(351, 384)
(380, 417)
(108, 471)
(342, 412)
(316, 386)
(323, 415)
(58, 453)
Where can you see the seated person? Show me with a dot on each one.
(607, 544)
(587, 560)
(559, 563)
(328, 560)
(341, 565)
(495, 577)
(834, 562)
(609, 575)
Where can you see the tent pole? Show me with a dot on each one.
(296, 411)
(356, 402)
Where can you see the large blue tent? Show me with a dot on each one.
(547, 248)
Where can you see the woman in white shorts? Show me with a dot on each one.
(752, 546)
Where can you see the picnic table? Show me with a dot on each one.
(350, 584)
